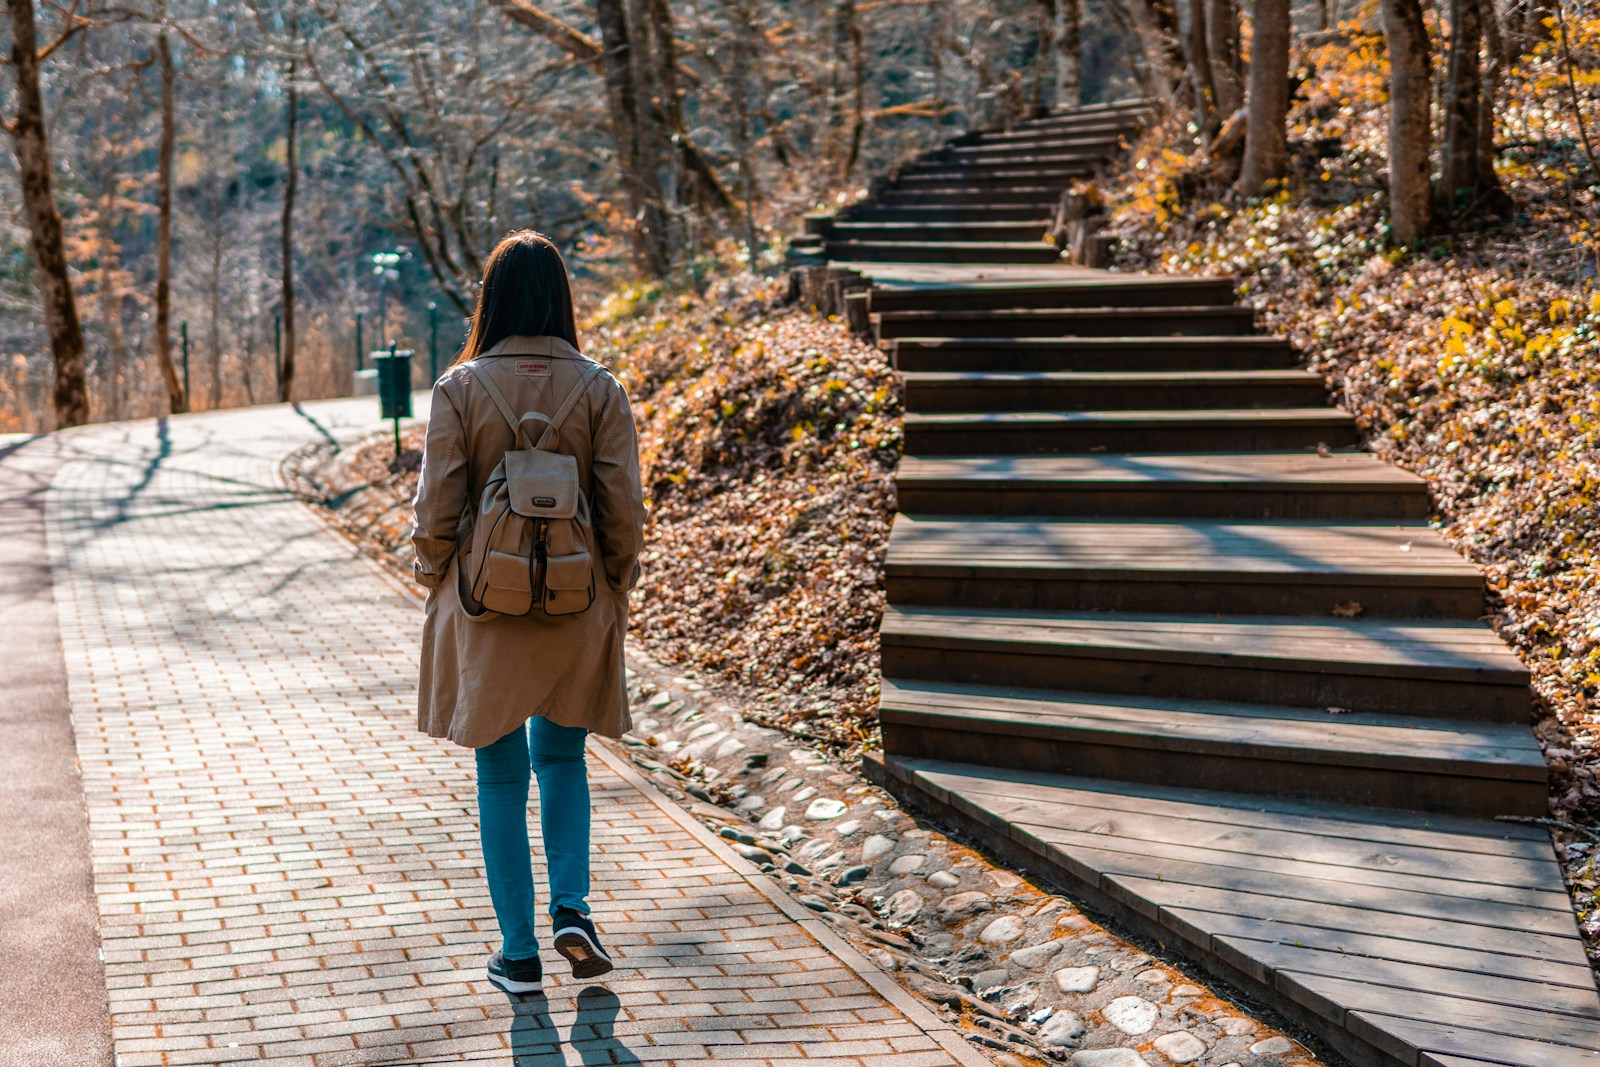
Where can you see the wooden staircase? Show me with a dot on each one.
(1160, 630)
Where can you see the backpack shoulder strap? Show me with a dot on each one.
(497, 396)
(553, 425)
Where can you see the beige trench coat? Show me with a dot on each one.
(482, 678)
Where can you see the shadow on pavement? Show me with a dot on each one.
(593, 1030)
(536, 1043)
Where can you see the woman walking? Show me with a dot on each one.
(524, 685)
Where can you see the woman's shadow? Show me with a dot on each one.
(535, 1042)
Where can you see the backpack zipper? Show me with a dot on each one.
(541, 549)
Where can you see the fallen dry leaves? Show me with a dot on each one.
(769, 439)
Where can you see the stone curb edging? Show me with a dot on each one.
(885, 986)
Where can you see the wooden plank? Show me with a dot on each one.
(1375, 825)
(1304, 549)
(1505, 1051)
(1435, 944)
(1426, 745)
(1437, 649)
(1199, 909)
(1290, 376)
(1133, 821)
(1218, 417)
(1526, 908)
(1020, 315)
(1336, 744)
(1483, 1021)
(1445, 1059)
(1326, 472)
(1261, 958)
(1137, 872)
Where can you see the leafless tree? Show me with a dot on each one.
(31, 143)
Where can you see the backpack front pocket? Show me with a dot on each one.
(568, 583)
(507, 583)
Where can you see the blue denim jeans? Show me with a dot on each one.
(554, 755)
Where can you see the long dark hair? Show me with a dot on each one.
(525, 293)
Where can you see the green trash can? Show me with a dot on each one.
(394, 382)
(394, 387)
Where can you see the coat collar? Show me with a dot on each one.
(534, 346)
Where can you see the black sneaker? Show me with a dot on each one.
(516, 976)
(577, 941)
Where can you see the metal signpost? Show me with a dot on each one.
(433, 341)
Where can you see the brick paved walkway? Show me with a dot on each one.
(285, 871)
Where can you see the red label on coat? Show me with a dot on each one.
(533, 368)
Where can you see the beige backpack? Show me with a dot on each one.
(531, 537)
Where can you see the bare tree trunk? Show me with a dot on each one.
(1222, 35)
(639, 177)
(1494, 40)
(286, 230)
(847, 47)
(1068, 44)
(177, 402)
(656, 46)
(1156, 22)
(1458, 147)
(110, 299)
(1410, 129)
(1266, 146)
(1139, 59)
(31, 144)
(1200, 69)
(214, 321)
(746, 48)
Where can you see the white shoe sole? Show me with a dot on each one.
(511, 985)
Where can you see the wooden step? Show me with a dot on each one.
(1202, 320)
(1091, 154)
(943, 251)
(1426, 667)
(1018, 391)
(1400, 938)
(1434, 765)
(1031, 232)
(1133, 290)
(1262, 485)
(1116, 131)
(962, 354)
(1032, 169)
(934, 214)
(1234, 485)
(1053, 180)
(1129, 122)
(1098, 141)
(1194, 566)
(1132, 117)
(1188, 430)
(1037, 199)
